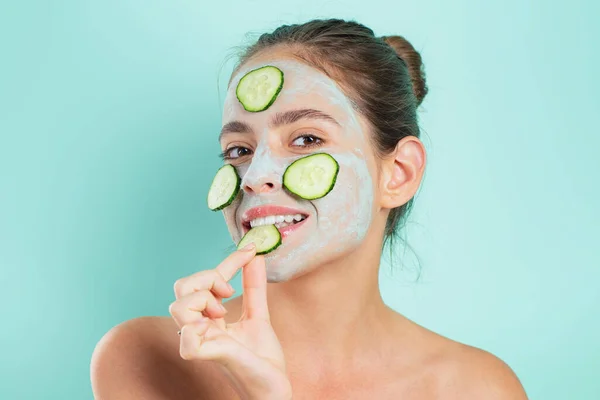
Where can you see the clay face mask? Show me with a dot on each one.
(337, 222)
(311, 177)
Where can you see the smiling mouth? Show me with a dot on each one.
(280, 221)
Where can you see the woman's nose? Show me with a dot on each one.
(265, 172)
(262, 185)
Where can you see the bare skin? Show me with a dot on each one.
(140, 359)
(339, 339)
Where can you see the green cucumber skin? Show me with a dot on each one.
(237, 94)
(276, 245)
(334, 180)
(236, 191)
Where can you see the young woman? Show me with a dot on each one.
(310, 323)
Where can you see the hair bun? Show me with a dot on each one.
(412, 58)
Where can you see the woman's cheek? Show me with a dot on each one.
(229, 213)
(346, 211)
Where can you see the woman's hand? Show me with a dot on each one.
(248, 350)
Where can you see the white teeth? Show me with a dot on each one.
(278, 220)
(269, 220)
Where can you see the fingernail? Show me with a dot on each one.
(248, 247)
(222, 308)
(230, 287)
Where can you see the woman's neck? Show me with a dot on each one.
(332, 312)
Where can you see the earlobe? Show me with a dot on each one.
(402, 172)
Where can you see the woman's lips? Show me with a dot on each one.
(285, 231)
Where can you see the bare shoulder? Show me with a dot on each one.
(473, 373)
(430, 365)
(140, 358)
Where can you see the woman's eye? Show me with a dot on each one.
(234, 152)
(307, 141)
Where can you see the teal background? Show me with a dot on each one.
(109, 113)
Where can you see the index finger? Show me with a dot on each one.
(217, 278)
(236, 260)
(255, 290)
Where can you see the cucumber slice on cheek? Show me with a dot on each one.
(311, 177)
(224, 188)
(259, 88)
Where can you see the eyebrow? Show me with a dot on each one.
(279, 119)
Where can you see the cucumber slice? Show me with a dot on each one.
(311, 177)
(266, 237)
(225, 186)
(258, 89)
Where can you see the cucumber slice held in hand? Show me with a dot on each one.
(311, 177)
(224, 188)
(266, 238)
(259, 88)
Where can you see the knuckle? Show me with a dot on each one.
(202, 299)
(173, 308)
(187, 317)
(178, 286)
(216, 277)
(186, 354)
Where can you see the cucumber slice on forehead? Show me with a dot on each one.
(266, 238)
(311, 177)
(259, 88)
(224, 188)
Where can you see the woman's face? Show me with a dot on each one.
(261, 150)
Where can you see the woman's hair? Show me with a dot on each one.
(382, 76)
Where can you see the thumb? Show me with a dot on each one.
(254, 283)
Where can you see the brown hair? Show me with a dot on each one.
(382, 76)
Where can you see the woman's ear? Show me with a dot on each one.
(401, 172)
